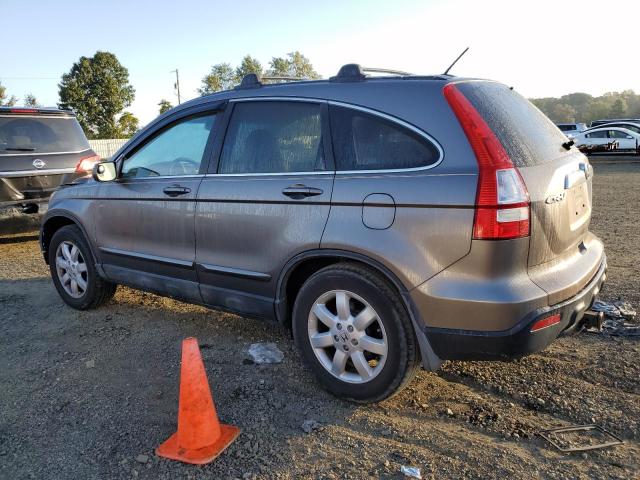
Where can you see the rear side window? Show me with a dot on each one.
(273, 137)
(526, 134)
(363, 141)
(617, 134)
(41, 135)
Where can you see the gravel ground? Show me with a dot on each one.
(91, 394)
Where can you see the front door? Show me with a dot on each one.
(145, 219)
(267, 201)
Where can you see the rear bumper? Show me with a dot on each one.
(31, 188)
(517, 341)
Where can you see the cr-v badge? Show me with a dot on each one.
(555, 198)
(39, 163)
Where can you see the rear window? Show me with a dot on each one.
(567, 128)
(41, 135)
(526, 134)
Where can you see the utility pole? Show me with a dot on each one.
(177, 84)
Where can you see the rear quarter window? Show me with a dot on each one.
(527, 135)
(364, 141)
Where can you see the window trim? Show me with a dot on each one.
(333, 165)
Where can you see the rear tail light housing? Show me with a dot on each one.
(502, 208)
(85, 165)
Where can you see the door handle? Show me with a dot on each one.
(299, 191)
(176, 190)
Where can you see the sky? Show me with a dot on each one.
(541, 48)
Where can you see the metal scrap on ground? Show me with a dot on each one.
(266, 352)
(580, 438)
(620, 318)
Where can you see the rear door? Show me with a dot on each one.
(266, 201)
(145, 219)
(559, 185)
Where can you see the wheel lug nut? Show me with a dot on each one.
(335, 337)
(339, 326)
(350, 328)
(354, 342)
(346, 348)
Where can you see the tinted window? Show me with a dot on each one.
(41, 134)
(526, 134)
(602, 134)
(617, 134)
(567, 128)
(178, 150)
(273, 137)
(363, 141)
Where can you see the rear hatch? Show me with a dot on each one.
(563, 255)
(37, 152)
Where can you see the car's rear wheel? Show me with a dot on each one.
(354, 332)
(73, 272)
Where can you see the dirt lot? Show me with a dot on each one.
(85, 393)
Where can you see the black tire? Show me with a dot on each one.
(98, 291)
(402, 359)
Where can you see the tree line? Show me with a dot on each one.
(97, 89)
(582, 107)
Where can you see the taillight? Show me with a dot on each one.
(502, 200)
(86, 164)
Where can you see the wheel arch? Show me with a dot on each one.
(53, 222)
(302, 266)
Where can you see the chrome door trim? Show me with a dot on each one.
(145, 256)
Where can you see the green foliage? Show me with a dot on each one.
(165, 105)
(221, 77)
(248, 65)
(4, 100)
(224, 77)
(97, 88)
(582, 107)
(30, 100)
(127, 125)
(294, 64)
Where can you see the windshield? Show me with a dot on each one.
(41, 135)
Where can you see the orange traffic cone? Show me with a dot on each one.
(200, 437)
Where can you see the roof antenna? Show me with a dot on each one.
(446, 72)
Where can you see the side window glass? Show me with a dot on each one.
(176, 151)
(362, 141)
(273, 137)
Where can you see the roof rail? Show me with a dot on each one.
(283, 78)
(250, 80)
(386, 70)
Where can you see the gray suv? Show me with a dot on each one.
(388, 221)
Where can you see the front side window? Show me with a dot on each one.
(273, 137)
(362, 141)
(176, 151)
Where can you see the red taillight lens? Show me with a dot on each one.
(86, 164)
(502, 200)
(24, 110)
(546, 322)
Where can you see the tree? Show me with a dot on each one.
(563, 113)
(127, 125)
(165, 106)
(248, 65)
(619, 108)
(221, 77)
(30, 100)
(293, 65)
(97, 88)
(4, 100)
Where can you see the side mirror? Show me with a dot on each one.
(105, 172)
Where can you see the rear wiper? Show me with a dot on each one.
(567, 145)
(18, 149)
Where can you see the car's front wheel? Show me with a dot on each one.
(73, 272)
(354, 333)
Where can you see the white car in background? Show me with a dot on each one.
(571, 129)
(624, 138)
